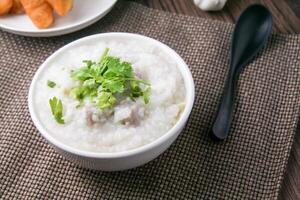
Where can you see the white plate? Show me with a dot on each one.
(83, 14)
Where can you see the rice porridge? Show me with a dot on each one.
(124, 95)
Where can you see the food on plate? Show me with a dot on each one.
(17, 7)
(5, 6)
(110, 96)
(39, 11)
(61, 7)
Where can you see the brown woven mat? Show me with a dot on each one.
(248, 165)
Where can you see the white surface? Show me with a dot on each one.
(83, 14)
(210, 5)
(151, 62)
(126, 159)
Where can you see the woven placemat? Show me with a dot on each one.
(248, 165)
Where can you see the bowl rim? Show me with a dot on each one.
(190, 95)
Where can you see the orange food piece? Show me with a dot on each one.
(17, 7)
(5, 6)
(39, 11)
(61, 7)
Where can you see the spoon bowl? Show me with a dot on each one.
(251, 33)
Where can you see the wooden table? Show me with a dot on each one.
(286, 14)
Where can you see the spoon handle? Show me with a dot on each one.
(222, 122)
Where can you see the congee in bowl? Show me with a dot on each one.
(109, 96)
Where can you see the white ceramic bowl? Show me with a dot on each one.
(119, 160)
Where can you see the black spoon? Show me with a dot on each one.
(250, 34)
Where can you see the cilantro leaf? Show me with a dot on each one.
(114, 85)
(146, 95)
(78, 93)
(81, 74)
(117, 68)
(90, 83)
(51, 84)
(105, 100)
(57, 109)
(103, 81)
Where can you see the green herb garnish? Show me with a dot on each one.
(146, 95)
(103, 81)
(51, 84)
(57, 109)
